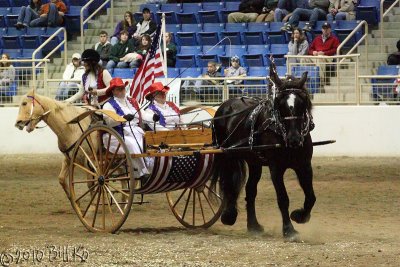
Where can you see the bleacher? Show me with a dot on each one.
(196, 27)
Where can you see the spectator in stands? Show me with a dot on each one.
(285, 9)
(127, 24)
(161, 114)
(298, 44)
(95, 80)
(119, 51)
(340, 10)
(131, 131)
(73, 71)
(325, 44)
(7, 73)
(145, 26)
(171, 50)
(103, 47)
(28, 13)
(139, 52)
(317, 10)
(235, 70)
(394, 58)
(248, 11)
(51, 14)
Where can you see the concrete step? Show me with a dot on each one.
(391, 25)
(372, 49)
(341, 89)
(385, 41)
(386, 33)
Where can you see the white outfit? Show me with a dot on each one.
(170, 115)
(133, 134)
(71, 73)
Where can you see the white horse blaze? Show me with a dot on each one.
(290, 100)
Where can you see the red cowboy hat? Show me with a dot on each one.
(115, 82)
(156, 87)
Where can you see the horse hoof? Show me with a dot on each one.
(229, 218)
(300, 216)
(291, 235)
(255, 228)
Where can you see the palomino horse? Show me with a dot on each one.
(283, 118)
(35, 108)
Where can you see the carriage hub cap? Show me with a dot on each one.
(101, 180)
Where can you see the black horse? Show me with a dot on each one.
(284, 118)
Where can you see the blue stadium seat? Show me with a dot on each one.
(208, 38)
(173, 72)
(11, 42)
(213, 27)
(191, 7)
(383, 89)
(279, 51)
(258, 71)
(170, 17)
(253, 38)
(368, 10)
(224, 15)
(313, 78)
(11, 19)
(177, 8)
(187, 18)
(29, 41)
(344, 28)
(190, 50)
(27, 53)
(36, 31)
(388, 70)
(233, 6)
(258, 27)
(186, 38)
(13, 31)
(235, 27)
(174, 28)
(281, 70)
(233, 38)
(185, 61)
(191, 28)
(3, 31)
(204, 59)
(11, 90)
(213, 6)
(210, 49)
(209, 16)
(190, 72)
(4, 3)
(19, 2)
(13, 53)
(154, 8)
(253, 60)
(258, 49)
(2, 21)
(124, 73)
(5, 10)
(235, 50)
(73, 19)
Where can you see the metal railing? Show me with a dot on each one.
(351, 35)
(382, 15)
(85, 21)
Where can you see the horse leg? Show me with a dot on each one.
(251, 194)
(63, 175)
(231, 182)
(305, 176)
(288, 230)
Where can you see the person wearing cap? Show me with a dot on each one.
(315, 10)
(235, 70)
(131, 131)
(161, 115)
(95, 80)
(72, 77)
(340, 10)
(144, 26)
(324, 44)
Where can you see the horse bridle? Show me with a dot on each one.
(38, 118)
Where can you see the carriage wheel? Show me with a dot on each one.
(101, 182)
(196, 207)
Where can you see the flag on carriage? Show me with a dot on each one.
(150, 68)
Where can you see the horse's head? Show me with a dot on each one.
(31, 111)
(292, 109)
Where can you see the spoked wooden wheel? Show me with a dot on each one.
(101, 179)
(196, 207)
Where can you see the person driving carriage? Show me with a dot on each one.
(95, 80)
(131, 131)
(164, 114)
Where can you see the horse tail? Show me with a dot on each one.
(231, 174)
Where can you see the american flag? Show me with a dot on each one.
(150, 68)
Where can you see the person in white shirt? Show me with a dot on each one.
(235, 70)
(73, 71)
(145, 26)
(131, 131)
(160, 115)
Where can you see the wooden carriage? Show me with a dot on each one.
(103, 185)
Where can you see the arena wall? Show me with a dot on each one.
(358, 131)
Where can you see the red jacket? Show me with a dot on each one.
(329, 47)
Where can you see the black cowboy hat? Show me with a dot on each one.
(90, 55)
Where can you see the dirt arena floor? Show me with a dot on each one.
(355, 222)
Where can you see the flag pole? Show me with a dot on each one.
(163, 31)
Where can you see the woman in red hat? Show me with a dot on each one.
(165, 115)
(131, 131)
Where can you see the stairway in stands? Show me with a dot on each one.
(101, 22)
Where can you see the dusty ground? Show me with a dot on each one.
(355, 223)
